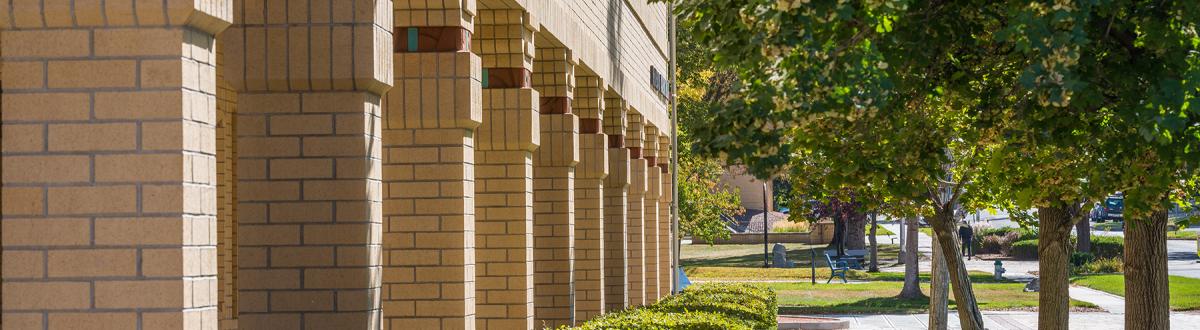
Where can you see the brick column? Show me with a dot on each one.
(554, 189)
(309, 81)
(650, 214)
(504, 171)
(429, 170)
(666, 244)
(108, 207)
(589, 198)
(636, 224)
(616, 203)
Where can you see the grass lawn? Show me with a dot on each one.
(1185, 291)
(751, 255)
(880, 297)
(1181, 234)
(879, 231)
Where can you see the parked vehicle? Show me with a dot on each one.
(1112, 209)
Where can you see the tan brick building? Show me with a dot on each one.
(332, 164)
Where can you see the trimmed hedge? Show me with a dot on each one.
(1103, 247)
(699, 307)
(644, 318)
(1026, 249)
(1108, 247)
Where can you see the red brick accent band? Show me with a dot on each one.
(555, 105)
(635, 153)
(650, 161)
(508, 78)
(589, 125)
(664, 168)
(616, 141)
(432, 39)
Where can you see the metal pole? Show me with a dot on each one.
(766, 230)
(812, 264)
(674, 156)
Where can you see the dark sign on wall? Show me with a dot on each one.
(660, 83)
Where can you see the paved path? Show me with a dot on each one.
(1110, 303)
(1009, 321)
(1181, 258)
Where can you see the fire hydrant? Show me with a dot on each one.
(999, 270)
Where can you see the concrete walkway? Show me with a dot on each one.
(1008, 321)
(1108, 302)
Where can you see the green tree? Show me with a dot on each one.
(1107, 101)
(704, 201)
(888, 94)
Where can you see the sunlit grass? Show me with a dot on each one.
(1185, 291)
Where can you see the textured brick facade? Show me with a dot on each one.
(367, 164)
(590, 174)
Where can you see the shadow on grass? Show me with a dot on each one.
(878, 305)
(801, 257)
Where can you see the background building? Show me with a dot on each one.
(345, 164)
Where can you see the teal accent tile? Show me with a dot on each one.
(412, 39)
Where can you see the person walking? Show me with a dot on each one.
(966, 234)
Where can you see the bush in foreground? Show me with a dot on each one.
(699, 307)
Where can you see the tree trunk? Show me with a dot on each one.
(874, 245)
(1147, 303)
(903, 236)
(912, 273)
(856, 234)
(964, 297)
(1054, 235)
(1083, 230)
(939, 290)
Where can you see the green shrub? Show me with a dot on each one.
(699, 307)
(754, 305)
(1080, 258)
(1024, 234)
(1001, 231)
(1108, 246)
(648, 319)
(1103, 265)
(1025, 249)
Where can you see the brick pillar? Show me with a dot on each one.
(589, 197)
(666, 243)
(108, 207)
(429, 170)
(554, 189)
(635, 216)
(650, 213)
(309, 81)
(616, 203)
(504, 171)
(226, 199)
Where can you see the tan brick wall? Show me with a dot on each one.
(636, 232)
(554, 220)
(666, 275)
(429, 191)
(509, 133)
(554, 188)
(616, 253)
(590, 174)
(634, 137)
(650, 213)
(309, 161)
(309, 195)
(650, 235)
(108, 210)
(226, 199)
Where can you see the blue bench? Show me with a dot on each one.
(837, 267)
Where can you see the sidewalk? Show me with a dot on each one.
(1008, 321)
